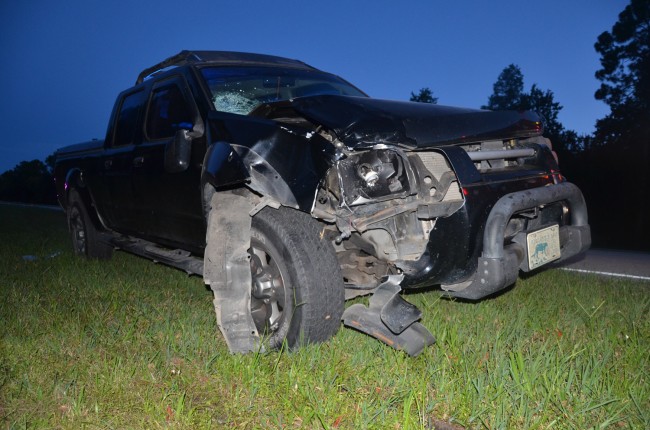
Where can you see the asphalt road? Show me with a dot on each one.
(606, 262)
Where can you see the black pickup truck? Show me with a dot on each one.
(290, 190)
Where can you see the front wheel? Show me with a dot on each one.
(297, 291)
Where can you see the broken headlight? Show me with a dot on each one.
(374, 176)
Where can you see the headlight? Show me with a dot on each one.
(374, 176)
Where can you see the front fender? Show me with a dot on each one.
(223, 167)
(229, 166)
(279, 161)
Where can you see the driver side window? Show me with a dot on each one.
(168, 112)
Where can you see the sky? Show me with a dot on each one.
(64, 62)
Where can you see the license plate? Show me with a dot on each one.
(543, 246)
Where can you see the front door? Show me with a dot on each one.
(169, 204)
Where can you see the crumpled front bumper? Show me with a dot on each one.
(498, 266)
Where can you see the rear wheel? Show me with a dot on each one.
(85, 237)
(297, 291)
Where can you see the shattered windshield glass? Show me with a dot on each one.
(241, 89)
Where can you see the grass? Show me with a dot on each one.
(126, 343)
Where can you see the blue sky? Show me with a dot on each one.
(64, 62)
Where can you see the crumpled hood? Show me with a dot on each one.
(363, 122)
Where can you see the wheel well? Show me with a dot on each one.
(82, 191)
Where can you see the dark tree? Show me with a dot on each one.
(28, 182)
(508, 94)
(620, 159)
(543, 103)
(507, 90)
(625, 78)
(625, 59)
(425, 95)
(575, 143)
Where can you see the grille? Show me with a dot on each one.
(437, 165)
(497, 154)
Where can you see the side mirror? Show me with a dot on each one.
(178, 152)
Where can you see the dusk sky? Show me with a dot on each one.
(64, 62)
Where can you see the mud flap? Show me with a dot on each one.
(227, 270)
(390, 319)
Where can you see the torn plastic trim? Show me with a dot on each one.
(390, 319)
(227, 270)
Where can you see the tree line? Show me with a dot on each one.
(29, 182)
(611, 166)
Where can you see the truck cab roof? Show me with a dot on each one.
(220, 58)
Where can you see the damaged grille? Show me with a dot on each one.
(439, 167)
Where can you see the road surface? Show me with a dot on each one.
(606, 262)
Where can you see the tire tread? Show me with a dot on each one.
(317, 272)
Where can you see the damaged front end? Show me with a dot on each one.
(384, 203)
(410, 196)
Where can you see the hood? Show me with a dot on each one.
(363, 122)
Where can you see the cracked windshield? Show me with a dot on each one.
(241, 90)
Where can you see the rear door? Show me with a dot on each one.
(117, 163)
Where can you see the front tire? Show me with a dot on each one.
(85, 237)
(297, 291)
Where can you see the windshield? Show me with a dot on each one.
(240, 90)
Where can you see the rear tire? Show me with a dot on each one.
(85, 237)
(297, 291)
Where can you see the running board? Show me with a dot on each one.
(390, 319)
(177, 258)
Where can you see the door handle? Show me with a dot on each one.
(138, 161)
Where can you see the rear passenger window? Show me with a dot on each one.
(127, 119)
(168, 113)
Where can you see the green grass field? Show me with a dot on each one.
(126, 343)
